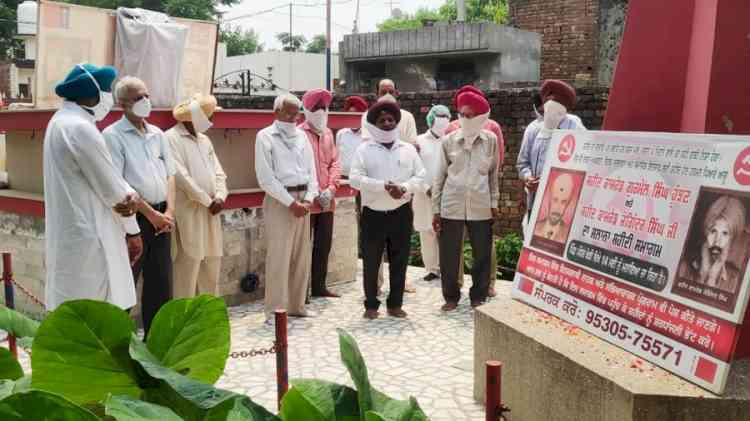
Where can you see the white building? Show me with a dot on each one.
(282, 70)
(22, 68)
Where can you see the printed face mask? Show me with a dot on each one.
(286, 128)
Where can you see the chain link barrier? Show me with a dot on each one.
(253, 352)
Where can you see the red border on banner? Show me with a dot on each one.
(696, 329)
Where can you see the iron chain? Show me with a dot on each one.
(253, 352)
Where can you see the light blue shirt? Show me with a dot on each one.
(533, 154)
(144, 160)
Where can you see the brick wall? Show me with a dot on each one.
(511, 107)
(570, 34)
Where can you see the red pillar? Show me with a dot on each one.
(682, 68)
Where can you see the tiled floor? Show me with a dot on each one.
(428, 355)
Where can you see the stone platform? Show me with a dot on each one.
(555, 371)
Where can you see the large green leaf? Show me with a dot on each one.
(16, 323)
(43, 406)
(191, 336)
(81, 352)
(352, 359)
(369, 398)
(318, 400)
(125, 408)
(10, 369)
(191, 399)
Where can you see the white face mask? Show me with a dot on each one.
(473, 126)
(317, 119)
(440, 125)
(286, 128)
(382, 136)
(200, 122)
(554, 113)
(142, 108)
(106, 101)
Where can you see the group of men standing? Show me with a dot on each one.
(132, 200)
(443, 183)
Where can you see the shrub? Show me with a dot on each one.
(88, 364)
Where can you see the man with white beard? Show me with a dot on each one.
(723, 224)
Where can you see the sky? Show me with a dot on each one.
(309, 20)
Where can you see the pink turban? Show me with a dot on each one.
(312, 97)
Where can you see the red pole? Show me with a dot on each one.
(493, 390)
(9, 302)
(282, 361)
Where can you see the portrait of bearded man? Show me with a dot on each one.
(722, 225)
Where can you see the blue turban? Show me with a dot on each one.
(434, 111)
(78, 84)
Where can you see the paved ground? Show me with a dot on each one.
(428, 355)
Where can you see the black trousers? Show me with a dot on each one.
(390, 231)
(451, 248)
(322, 234)
(156, 265)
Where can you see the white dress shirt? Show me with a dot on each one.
(143, 159)
(374, 165)
(347, 142)
(282, 162)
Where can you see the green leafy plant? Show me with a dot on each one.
(415, 254)
(507, 251)
(88, 364)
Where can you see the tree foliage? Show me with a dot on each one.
(476, 11)
(317, 45)
(239, 41)
(8, 27)
(291, 43)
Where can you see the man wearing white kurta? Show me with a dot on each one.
(285, 167)
(197, 244)
(86, 251)
(438, 120)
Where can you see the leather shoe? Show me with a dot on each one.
(371, 314)
(397, 312)
(431, 277)
(327, 294)
(449, 307)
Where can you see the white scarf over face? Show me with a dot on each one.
(471, 128)
(382, 136)
(201, 123)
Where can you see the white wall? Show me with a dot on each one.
(290, 70)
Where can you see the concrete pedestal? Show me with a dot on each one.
(553, 371)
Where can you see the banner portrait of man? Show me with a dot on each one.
(715, 257)
(557, 209)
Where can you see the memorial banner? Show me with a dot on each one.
(643, 239)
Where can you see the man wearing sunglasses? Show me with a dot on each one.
(142, 155)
